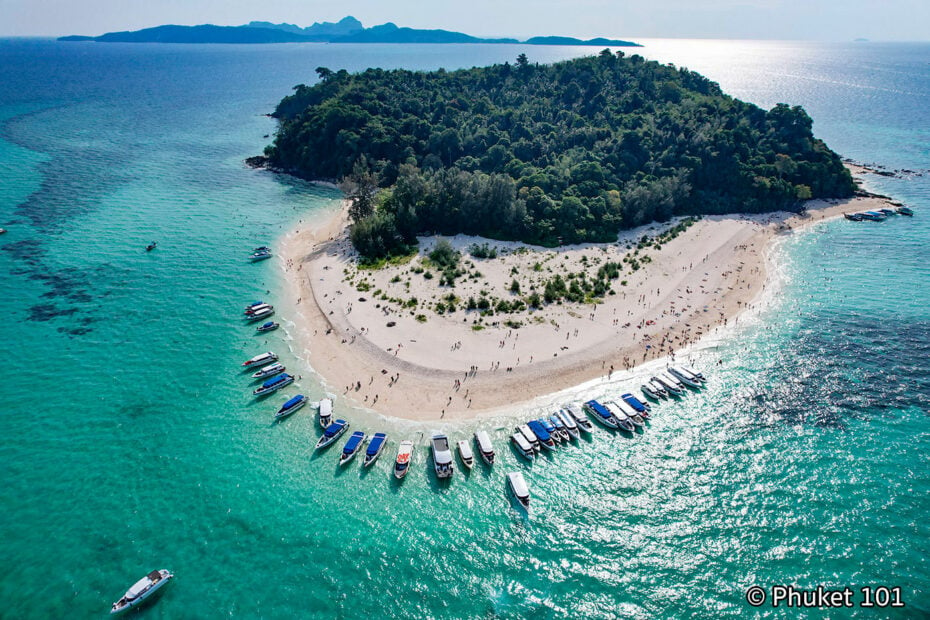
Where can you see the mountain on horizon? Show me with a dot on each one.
(346, 30)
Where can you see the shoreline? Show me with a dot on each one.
(442, 370)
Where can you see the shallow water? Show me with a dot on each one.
(131, 441)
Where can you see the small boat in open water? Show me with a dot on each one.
(142, 590)
(273, 385)
(442, 456)
(519, 489)
(333, 432)
(151, 246)
(375, 448)
(291, 406)
(269, 371)
(270, 326)
(465, 454)
(352, 447)
(485, 447)
(326, 412)
(260, 360)
(404, 456)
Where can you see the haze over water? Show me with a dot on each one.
(131, 441)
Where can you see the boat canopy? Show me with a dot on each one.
(143, 584)
(375, 444)
(633, 402)
(274, 381)
(484, 442)
(293, 401)
(518, 484)
(598, 408)
(521, 441)
(334, 428)
(539, 430)
(354, 441)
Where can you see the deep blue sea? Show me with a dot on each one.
(129, 440)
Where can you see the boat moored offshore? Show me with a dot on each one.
(519, 489)
(404, 457)
(529, 435)
(142, 590)
(485, 447)
(274, 384)
(442, 456)
(326, 412)
(569, 422)
(685, 377)
(352, 447)
(291, 406)
(270, 326)
(269, 371)
(522, 446)
(577, 412)
(601, 414)
(465, 454)
(638, 406)
(260, 360)
(375, 447)
(620, 415)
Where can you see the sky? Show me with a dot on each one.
(830, 20)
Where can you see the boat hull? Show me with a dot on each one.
(280, 415)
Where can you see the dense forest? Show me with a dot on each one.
(547, 154)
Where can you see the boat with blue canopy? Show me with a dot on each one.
(274, 384)
(352, 447)
(560, 430)
(542, 434)
(333, 432)
(291, 406)
(270, 326)
(638, 406)
(600, 413)
(375, 448)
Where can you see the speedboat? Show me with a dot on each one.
(274, 384)
(333, 432)
(577, 412)
(485, 447)
(685, 377)
(269, 371)
(151, 246)
(326, 411)
(638, 406)
(258, 315)
(442, 456)
(855, 217)
(375, 448)
(886, 212)
(352, 447)
(700, 376)
(291, 406)
(261, 248)
(519, 489)
(529, 435)
(260, 360)
(620, 415)
(568, 421)
(404, 456)
(522, 446)
(620, 409)
(906, 211)
(257, 256)
(270, 326)
(874, 216)
(649, 392)
(142, 590)
(658, 388)
(672, 385)
(560, 431)
(600, 413)
(256, 307)
(465, 454)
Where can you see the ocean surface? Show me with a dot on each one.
(129, 440)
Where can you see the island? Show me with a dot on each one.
(347, 30)
(515, 230)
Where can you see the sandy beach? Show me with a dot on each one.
(376, 339)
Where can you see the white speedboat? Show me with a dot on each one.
(519, 489)
(602, 414)
(258, 306)
(485, 447)
(326, 412)
(569, 422)
(522, 446)
(404, 457)
(465, 454)
(623, 420)
(442, 456)
(260, 360)
(269, 371)
(672, 385)
(650, 392)
(700, 376)
(333, 432)
(685, 377)
(658, 387)
(142, 590)
(258, 315)
(529, 435)
(632, 415)
(577, 412)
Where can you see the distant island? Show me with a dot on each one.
(347, 30)
(545, 154)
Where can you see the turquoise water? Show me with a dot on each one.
(130, 441)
